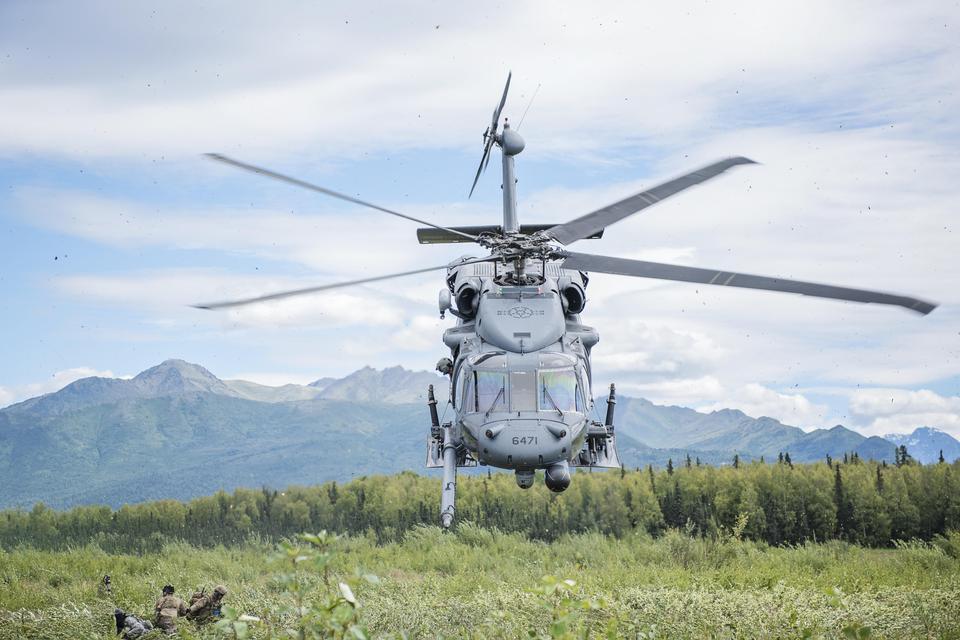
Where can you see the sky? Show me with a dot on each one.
(112, 222)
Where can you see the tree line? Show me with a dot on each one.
(862, 502)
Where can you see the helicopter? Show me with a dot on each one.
(519, 364)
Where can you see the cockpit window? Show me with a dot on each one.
(558, 391)
(486, 392)
(523, 390)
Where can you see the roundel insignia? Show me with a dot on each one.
(520, 312)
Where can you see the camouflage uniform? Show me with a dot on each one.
(134, 627)
(168, 608)
(202, 608)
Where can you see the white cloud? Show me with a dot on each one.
(334, 80)
(640, 349)
(318, 241)
(674, 391)
(882, 411)
(707, 393)
(273, 378)
(57, 381)
(420, 333)
(756, 400)
(172, 292)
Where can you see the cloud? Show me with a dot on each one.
(882, 411)
(420, 333)
(638, 349)
(318, 241)
(273, 378)
(675, 391)
(415, 74)
(170, 293)
(756, 400)
(57, 381)
(707, 393)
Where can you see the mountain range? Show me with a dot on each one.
(178, 431)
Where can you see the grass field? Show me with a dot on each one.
(479, 583)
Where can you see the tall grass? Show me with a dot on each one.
(477, 582)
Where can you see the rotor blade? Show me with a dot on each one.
(486, 162)
(307, 185)
(483, 159)
(503, 101)
(336, 285)
(590, 223)
(660, 271)
(490, 136)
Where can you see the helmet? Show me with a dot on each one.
(220, 590)
(168, 589)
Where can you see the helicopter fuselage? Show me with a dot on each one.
(520, 366)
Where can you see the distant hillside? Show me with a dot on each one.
(394, 385)
(178, 431)
(733, 430)
(926, 443)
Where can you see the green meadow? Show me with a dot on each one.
(483, 583)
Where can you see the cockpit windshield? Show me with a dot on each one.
(521, 390)
(558, 391)
(486, 391)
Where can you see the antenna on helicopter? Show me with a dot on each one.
(529, 104)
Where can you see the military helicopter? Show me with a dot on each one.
(519, 364)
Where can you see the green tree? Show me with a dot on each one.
(843, 506)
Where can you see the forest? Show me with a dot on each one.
(781, 503)
(842, 548)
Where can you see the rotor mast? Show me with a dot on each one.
(510, 144)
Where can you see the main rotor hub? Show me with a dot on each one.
(514, 246)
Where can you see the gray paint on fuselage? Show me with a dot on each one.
(519, 328)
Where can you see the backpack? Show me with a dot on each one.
(134, 627)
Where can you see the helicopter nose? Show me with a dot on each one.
(531, 443)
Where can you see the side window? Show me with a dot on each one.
(456, 384)
(583, 389)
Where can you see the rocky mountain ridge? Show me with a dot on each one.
(176, 430)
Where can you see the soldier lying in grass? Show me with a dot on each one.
(129, 626)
